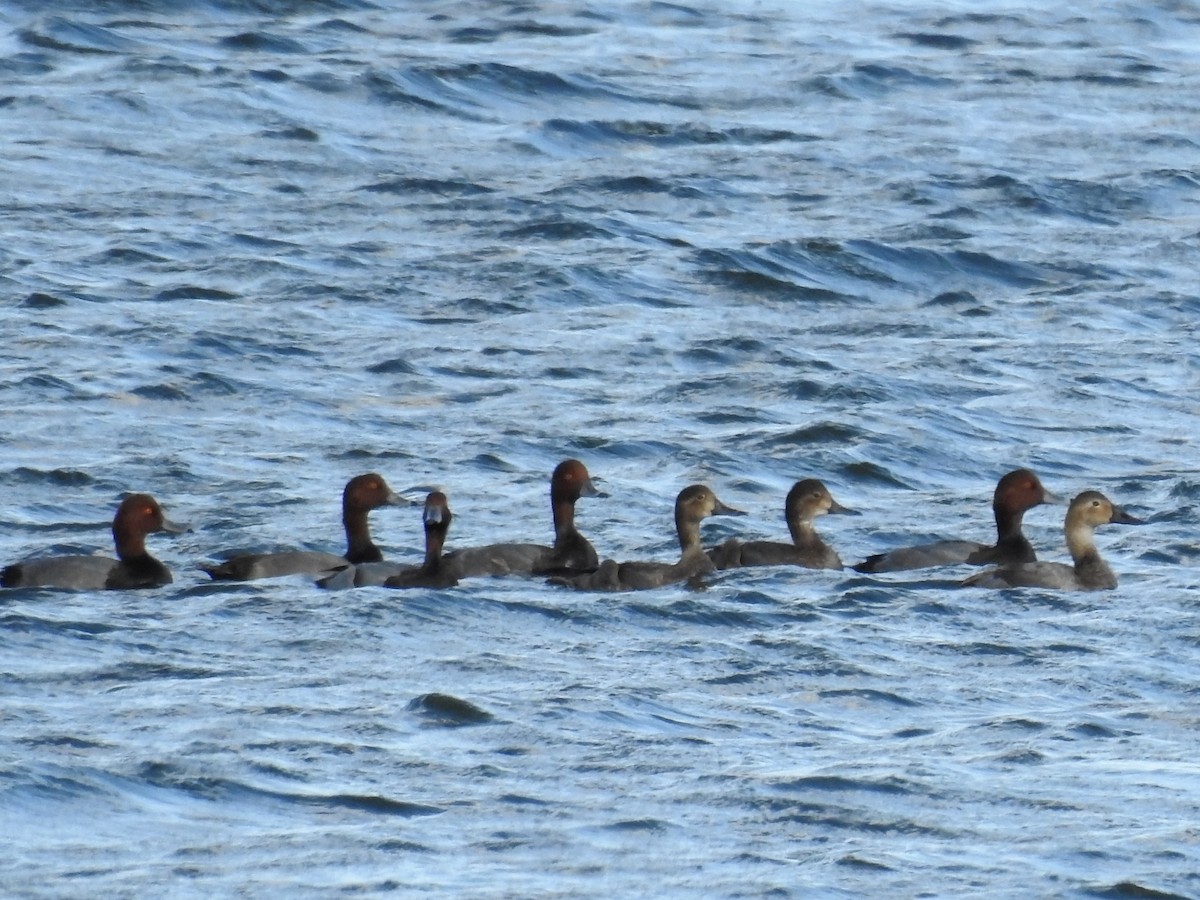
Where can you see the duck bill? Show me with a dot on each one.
(1120, 517)
(175, 527)
(394, 499)
(1052, 498)
(588, 489)
(838, 509)
(720, 509)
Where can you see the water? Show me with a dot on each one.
(254, 248)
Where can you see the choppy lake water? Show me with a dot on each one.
(253, 248)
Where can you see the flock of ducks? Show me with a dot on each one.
(572, 561)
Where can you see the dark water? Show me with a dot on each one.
(254, 248)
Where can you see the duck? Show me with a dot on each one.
(137, 516)
(433, 572)
(805, 501)
(571, 553)
(362, 494)
(1089, 571)
(694, 503)
(1017, 492)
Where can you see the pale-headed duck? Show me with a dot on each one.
(807, 500)
(1089, 572)
(693, 504)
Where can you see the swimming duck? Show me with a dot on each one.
(805, 501)
(362, 494)
(137, 516)
(1016, 492)
(693, 504)
(571, 553)
(1089, 572)
(433, 572)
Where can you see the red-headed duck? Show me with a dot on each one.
(1089, 572)
(693, 504)
(1016, 492)
(805, 501)
(433, 572)
(363, 493)
(137, 516)
(571, 553)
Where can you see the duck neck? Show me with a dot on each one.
(1008, 525)
(688, 530)
(1081, 542)
(435, 540)
(804, 534)
(1090, 569)
(563, 511)
(359, 547)
(131, 545)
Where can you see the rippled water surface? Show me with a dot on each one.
(254, 248)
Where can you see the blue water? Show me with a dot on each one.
(253, 248)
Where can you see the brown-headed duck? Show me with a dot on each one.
(363, 493)
(433, 572)
(1016, 492)
(693, 504)
(571, 553)
(1089, 572)
(805, 501)
(137, 516)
